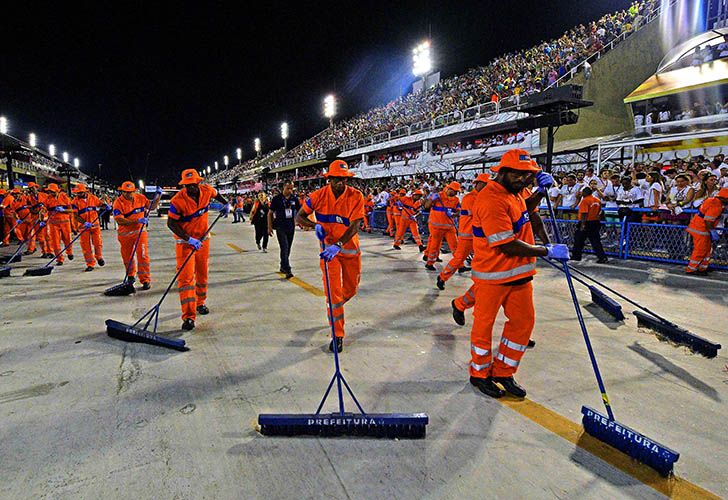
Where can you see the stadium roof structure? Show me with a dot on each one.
(293, 166)
(669, 81)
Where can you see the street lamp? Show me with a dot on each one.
(226, 161)
(3, 125)
(422, 59)
(256, 144)
(76, 162)
(239, 153)
(284, 135)
(32, 140)
(208, 167)
(65, 157)
(141, 184)
(330, 108)
(52, 149)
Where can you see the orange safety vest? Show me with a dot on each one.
(191, 214)
(337, 214)
(442, 210)
(465, 224)
(709, 210)
(88, 208)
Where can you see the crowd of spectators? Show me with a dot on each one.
(515, 74)
(647, 119)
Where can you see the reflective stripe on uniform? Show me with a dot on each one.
(188, 288)
(465, 235)
(477, 350)
(350, 251)
(695, 231)
(510, 362)
(188, 301)
(512, 345)
(503, 235)
(504, 274)
(435, 224)
(479, 367)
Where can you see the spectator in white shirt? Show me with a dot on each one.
(590, 176)
(629, 196)
(679, 197)
(570, 196)
(609, 194)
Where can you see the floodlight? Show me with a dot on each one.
(422, 59)
(32, 140)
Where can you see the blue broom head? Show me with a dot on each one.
(120, 290)
(608, 304)
(38, 271)
(629, 441)
(382, 425)
(10, 259)
(128, 333)
(678, 335)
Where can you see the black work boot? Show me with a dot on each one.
(146, 286)
(531, 344)
(463, 269)
(457, 314)
(511, 386)
(430, 267)
(397, 247)
(101, 262)
(203, 310)
(339, 345)
(440, 283)
(423, 248)
(70, 256)
(487, 386)
(188, 324)
(88, 269)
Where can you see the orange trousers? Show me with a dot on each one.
(390, 222)
(192, 280)
(43, 237)
(344, 276)
(464, 249)
(517, 303)
(466, 300)
(27, 230)
(89, 238)
(405, 222)
(142, 255)
(702, 251)
(9, 223)
(60, 232)
(434, 242)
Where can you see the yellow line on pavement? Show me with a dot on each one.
(236, 248)
(309, 288)
(673, 487)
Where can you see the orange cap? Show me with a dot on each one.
(53, 187)
(455, 186)
(338, 168)
(402, 191)
(16, 190)
(517, 159)
(723, 193)
(127, 186)
(482, 178)
(190, 176)
(81, 188)
(418, 191)
(32, 184)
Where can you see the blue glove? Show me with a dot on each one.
(558, 252)
(433, 196)
(194, 242)
(225, 210)
(450, 212)
(17, 222)
(330, 252)
(143, 220)
(544, 181)
(59, 209)
(320, 233)
(87, 225)
(159, 190)
(714, 235)
(108, 207)
(42, 224)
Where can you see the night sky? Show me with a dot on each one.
(141, 87)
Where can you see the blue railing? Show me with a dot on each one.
(668, 243)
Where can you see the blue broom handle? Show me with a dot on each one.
(139, 236)
(98, 216)
(580, 318)
(329, 304)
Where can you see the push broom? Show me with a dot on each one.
(48, 267)
(15, 257)
(650, 319)
(137, 333)
(604, 427)
(126, 287)
(341, 423)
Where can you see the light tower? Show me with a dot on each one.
(284, 135)
(330, 108)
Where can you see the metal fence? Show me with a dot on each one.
(635, 240)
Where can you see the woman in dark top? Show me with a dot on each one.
(259, 218)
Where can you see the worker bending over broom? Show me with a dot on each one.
(339, 211)
(188, 221)
(503, 268)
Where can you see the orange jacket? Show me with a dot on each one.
(465, 224)
(132, 210)
(590, 206)
(337, 214)
(710, 210)
(89, 208)
(498, 218)
(20, 207)
(191, 214)
(443, 210)
(409, 207)
(60, 201)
